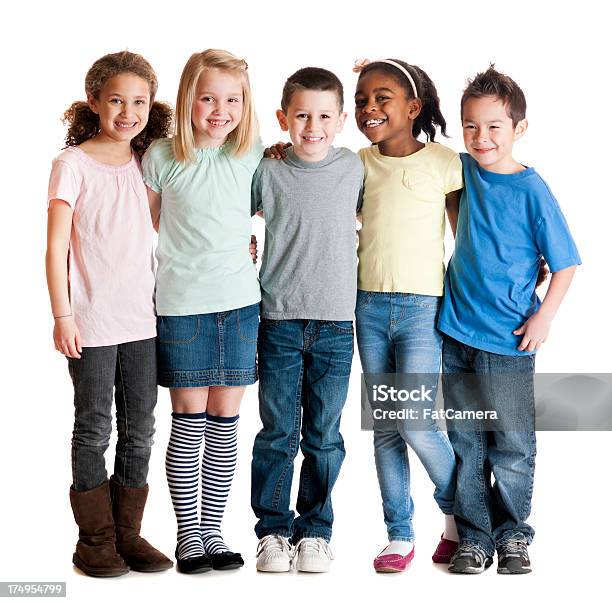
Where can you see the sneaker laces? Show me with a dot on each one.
(314, 546)
(514, 548)
(467, 550)
(273, 543)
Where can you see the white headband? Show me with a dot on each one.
(359, 65)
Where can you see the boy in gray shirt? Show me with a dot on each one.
(305, 347)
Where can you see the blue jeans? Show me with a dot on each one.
(396, 333)
(488, 514)
(304, 368)
(130, 370)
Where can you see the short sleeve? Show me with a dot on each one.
(362, 156)
(253, 157)
(553, 237)
(256, 193)
(453, 180)
(63, 183)
(256, 153)
(152, 165)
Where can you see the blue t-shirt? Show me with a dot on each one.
(507, 222)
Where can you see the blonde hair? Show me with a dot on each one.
(243, 136)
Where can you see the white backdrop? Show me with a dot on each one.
(556, 53)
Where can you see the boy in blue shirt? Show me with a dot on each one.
(493, 323)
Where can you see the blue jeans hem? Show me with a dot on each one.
(401, 538)
(487, 551)
(296, 537)
(263, 533)
(513, 535)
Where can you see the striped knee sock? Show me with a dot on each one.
(218, 465)
(182, 463)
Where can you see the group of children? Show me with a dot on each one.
(204, 326)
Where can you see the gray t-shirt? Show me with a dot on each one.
(309, 266)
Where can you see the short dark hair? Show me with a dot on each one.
(493, 83)
(311, 78)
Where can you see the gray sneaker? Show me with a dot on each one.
(512, 557)
(470, 559)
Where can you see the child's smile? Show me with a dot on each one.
(217, 108)
(218, 123)
(125, 125)
(313, 119)
(123, 106)
(382, 110)
(489, 135)
(373, 123)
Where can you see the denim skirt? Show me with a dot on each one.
(202, 350)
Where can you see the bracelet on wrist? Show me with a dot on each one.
(62, 316)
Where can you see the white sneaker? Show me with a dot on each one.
(313, 555)
(274, 554)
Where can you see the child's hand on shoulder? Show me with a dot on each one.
(534, 331)
(277, 151)
(66, 337)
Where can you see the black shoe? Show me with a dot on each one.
(470, 559)
(512, 557)
(226, 560)
(193, 565)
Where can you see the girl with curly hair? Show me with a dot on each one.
(101, 282)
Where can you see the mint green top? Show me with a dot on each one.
(204, 264)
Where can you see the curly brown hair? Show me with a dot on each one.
(83, 123)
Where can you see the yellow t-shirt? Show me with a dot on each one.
(401, 243)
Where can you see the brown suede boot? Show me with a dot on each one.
(95, 553)
(128, 508)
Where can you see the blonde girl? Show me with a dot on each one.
(207, 292)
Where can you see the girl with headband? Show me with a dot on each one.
(408, 186)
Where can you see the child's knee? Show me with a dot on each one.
(91, 436)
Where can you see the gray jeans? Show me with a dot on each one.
(131, 369)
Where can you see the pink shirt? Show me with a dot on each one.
(111, 248)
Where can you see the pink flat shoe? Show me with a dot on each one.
(445, 550)
(392, 563)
